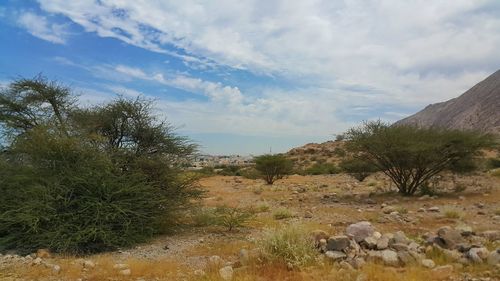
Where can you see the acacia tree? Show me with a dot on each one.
(273, 167)
(85, 180)
(410, 156)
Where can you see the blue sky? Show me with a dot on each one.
(246, 76)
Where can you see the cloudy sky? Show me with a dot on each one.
(246, 76)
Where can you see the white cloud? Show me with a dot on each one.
(338, 54)
(39, 26)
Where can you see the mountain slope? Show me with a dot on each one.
(476, 109)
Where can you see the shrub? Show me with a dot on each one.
(289, 245)
(232, 217)
(86, 180)
(357, 168)
(322, 169)
(409, 155)
(452, 214)
(282, 213)
(273, 167)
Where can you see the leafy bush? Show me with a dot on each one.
(411, 156)
(289, 245)
(273, 167)
(250, 173)
(86, 180)
(322, 169)
(358, 168)
(232, 217)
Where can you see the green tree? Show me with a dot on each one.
(86, 180)
(411, 156)
(273, 167)
(358, 168)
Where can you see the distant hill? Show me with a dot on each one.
(476, 109)
(307, 155)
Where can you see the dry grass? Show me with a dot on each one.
(72, 269)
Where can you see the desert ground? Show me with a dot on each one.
(328, 203)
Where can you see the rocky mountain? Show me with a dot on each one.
(476, 109)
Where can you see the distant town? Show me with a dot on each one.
(214, 161)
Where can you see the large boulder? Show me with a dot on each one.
(449, 238)
(338, 243)
(477, 255)
(359, 231)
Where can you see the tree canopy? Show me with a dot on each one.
(410, 155)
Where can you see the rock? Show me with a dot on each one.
(125, 272)
(399, 247)
(358, 262)
(424, 197)
(428, 263)
(377, 235)
(337, 243)
(383, 243)
(442, 272)
(434, 209)
(494, 257)
(448, 238)
(465, 230)
(335, 255)
(390, 257)
(400, 238)
(56, 268)
(492, 235)
(120, 266)
(226, 273)
(388, 209)
(370, 242)
(360, 230)
(477, 255)
(406, 258)
(308, 214)
(36, 261)
(421, 210)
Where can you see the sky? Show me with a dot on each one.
(253, 76)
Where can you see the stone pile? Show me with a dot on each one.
(362, 243)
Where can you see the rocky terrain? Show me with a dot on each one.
(476, 109)
(361, 231)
